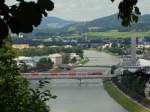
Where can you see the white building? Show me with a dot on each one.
(143, 63)
(107, 46)
(56, 59)
(147, 90)
(68, 46)
(27, 60)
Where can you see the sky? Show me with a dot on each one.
(86, 10)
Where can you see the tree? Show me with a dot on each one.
(44, 64)
(113, 68)
(66, 58)
(135, 82)
(128, 12)
(73, 60)
(15, 94)
(22, 17)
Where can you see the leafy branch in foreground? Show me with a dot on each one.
(128, 12)
(22, 17)
(15, 93)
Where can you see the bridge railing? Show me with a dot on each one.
(62, 74)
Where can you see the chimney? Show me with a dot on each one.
(133, 47)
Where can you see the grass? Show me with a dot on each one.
(72, 37)
(109, 34)
(115, 34)
(83, 61)
(114, 54)
(124, 101)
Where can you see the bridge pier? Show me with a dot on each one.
(80, 82)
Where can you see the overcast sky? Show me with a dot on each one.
(85, 10)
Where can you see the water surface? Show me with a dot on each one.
(90, 96)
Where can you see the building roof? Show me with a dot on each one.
(143, 62)
(23, 58)
(55, 55)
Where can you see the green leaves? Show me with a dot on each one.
(24, 16)
(3, 30)
(137, 11)
(46, 4)
(15, 94)
(125, 22)
(39, 93)
(135, 18)
(128, 12)
(112, 0)
(44, 64)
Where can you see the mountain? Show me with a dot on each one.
(53, 23)
(108, 23)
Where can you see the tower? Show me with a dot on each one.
(133, 48)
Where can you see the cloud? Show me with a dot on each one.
(84, 10)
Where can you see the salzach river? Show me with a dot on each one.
(90, 96)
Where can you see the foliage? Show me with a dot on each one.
(15, 94)
(83, 61)
(135, 81)
(113, 68)
(73, 60)
(115, 34)
(133, 84)
(128, 12)
(22, 17)
(66, 58)
(117, 50)
(123, 100)
(44, 64)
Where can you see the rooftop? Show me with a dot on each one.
(144, 62)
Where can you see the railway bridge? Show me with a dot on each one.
(78, 75)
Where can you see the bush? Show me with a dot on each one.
(44, 64)
(133, 84)
(15, 94)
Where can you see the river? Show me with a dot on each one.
(90, 96)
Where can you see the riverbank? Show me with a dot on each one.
(123, 100)
(83, 61)
(104, 50)
(91, 96)
(111, 53)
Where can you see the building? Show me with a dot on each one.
(144, 65)
(25, 60)
(68, 46)
(147, 91)
(56, 59)
(109, 45)
(20, 46)
(146, 56)
(40, 46)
